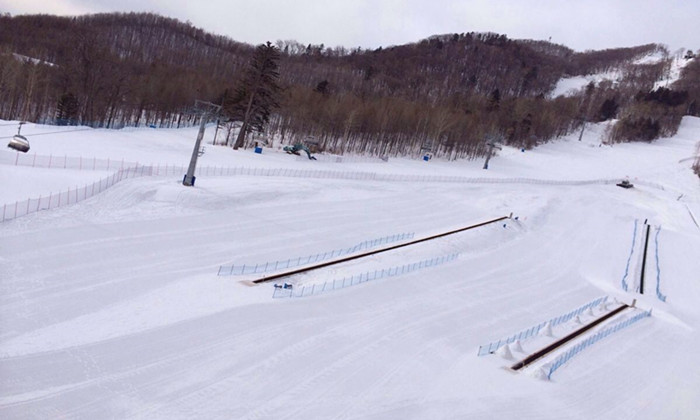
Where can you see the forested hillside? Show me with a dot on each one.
(448, 92)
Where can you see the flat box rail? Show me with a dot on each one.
(541, 353)
(594, 339)
(495, 345)
(378, 251)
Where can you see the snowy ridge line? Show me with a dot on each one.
(80, 163)
(374, 176)
(659, 295)
(522, 335)
(230, 270)
(337, 284)
(70, 196)
(344, 159)
(592, 340)
(625, 286)
(649, 184)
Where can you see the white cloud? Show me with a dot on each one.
(54, 7)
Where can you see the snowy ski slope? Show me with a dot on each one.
(112, 307)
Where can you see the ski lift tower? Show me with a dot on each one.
(491, 142)
(208, 109)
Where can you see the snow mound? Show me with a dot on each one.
(505, 352)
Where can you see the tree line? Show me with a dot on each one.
(447, 93)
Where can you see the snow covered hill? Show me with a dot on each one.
(112, 307)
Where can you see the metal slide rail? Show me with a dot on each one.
(530, 332)
(561, 360)
(640, 287)
(345, 282)
(277, 276)
(241, 269)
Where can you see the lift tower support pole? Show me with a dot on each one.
(189, 178)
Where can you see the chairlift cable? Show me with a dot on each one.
(53, 132)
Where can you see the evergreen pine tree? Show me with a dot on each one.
(608, 110)
(495, 100)
(67, 109)
(257, 94)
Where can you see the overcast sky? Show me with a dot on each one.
(578, 24)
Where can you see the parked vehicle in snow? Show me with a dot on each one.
(625, 184)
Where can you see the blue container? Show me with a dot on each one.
(426, 158)
(258, 150)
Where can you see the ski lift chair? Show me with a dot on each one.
(19, 142)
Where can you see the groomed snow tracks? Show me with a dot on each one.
(377, 251)
(550, 348)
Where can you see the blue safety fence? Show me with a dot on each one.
(592, 340)
(167, 169)
(281, 291)
(71, 195)
(233, 270)
(659, 295)
(629, 259)
(522, 335)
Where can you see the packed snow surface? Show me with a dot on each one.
(572, 85)
(112, 307)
